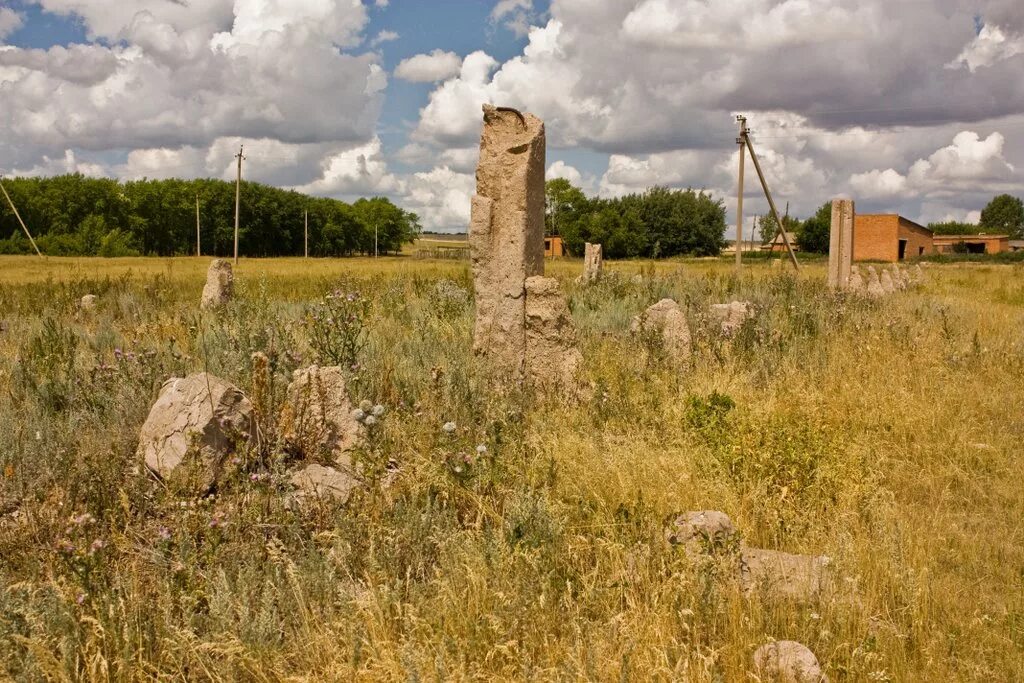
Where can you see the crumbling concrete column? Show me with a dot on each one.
(593, 262)
(552, 358)
(506, 233)
(840, 250)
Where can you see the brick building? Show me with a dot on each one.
(972, 244)
(889, 237)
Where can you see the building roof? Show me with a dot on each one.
(965, 238)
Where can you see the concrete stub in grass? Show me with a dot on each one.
(840, 251)
(195, 424)
(874, 288)
(318, 420)
(506, 234)
(787, 661)
(917, 274)
(885, 279)
(552, 357)
(593, 262)
(784, 575)
(731, 316)
(703, 532)
(88, 302)
(856, 283)
(666, 321)
(220, 284)
(317, 482)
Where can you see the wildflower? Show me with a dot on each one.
(365, 406)
(449, 427)
(358, 415)
(97, 545)
(80, 598)
(481, 449)
(378, 410)
(370, 421)
(163, 533)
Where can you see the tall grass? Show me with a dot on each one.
(884, 434)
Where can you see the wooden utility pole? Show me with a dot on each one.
(771, 202)
(238, 198)
(306, 242)
(199, 251)
(18, 216)
(375, 229)
(742, 142)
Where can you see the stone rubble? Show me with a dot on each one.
(593, 263)
(552, 357)
(732, 315)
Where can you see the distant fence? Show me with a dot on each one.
(449, 253)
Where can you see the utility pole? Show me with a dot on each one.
(375, 226)
(307, 235)
(199, 251)
(742, 142)
(771, 202)
(238, 197)
(18, 216)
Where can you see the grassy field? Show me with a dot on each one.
(884, 434)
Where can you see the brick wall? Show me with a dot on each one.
(875, 237)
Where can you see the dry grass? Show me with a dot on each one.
(885, 435)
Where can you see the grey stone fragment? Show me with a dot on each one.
(856, 283)
(316, 482)
(787, 661)
(88, 302)
(784, 575)
(732, 315)
(318, 418)
(220, 285)
(703, 531)
(885, 278)
(200, 415)
(593, 262)
(552, 357)
(667, 321)
(874, 288)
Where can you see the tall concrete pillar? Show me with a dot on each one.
(840, 248)
(506, 234)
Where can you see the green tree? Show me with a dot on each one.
(954, 228)
(768, 229)
(1004, 214)
(814, 234)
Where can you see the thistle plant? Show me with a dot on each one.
(338, 327)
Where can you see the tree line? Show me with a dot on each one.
(73, 215)
(1003, 215)
(658, 223)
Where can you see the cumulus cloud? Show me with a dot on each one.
(10, 21)
(384, 37)
(438, 65)
(515, 15)
(441, 198)
(177, 76)
(968, 164)
(991, 45)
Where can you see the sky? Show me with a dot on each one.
(908, 106)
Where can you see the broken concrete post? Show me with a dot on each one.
(899, 279)
(88, 302)
(885, 278)
(552, 358)
(593, 262)
(917, 274)
(783, 575)
(856, 283)
(874, 284)
(199, 415)
(317, 419)
(220, 284)
(732, 315)
(506, 234)
(787, 661)
(668, 322)
(840, 251)
(703, 532)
